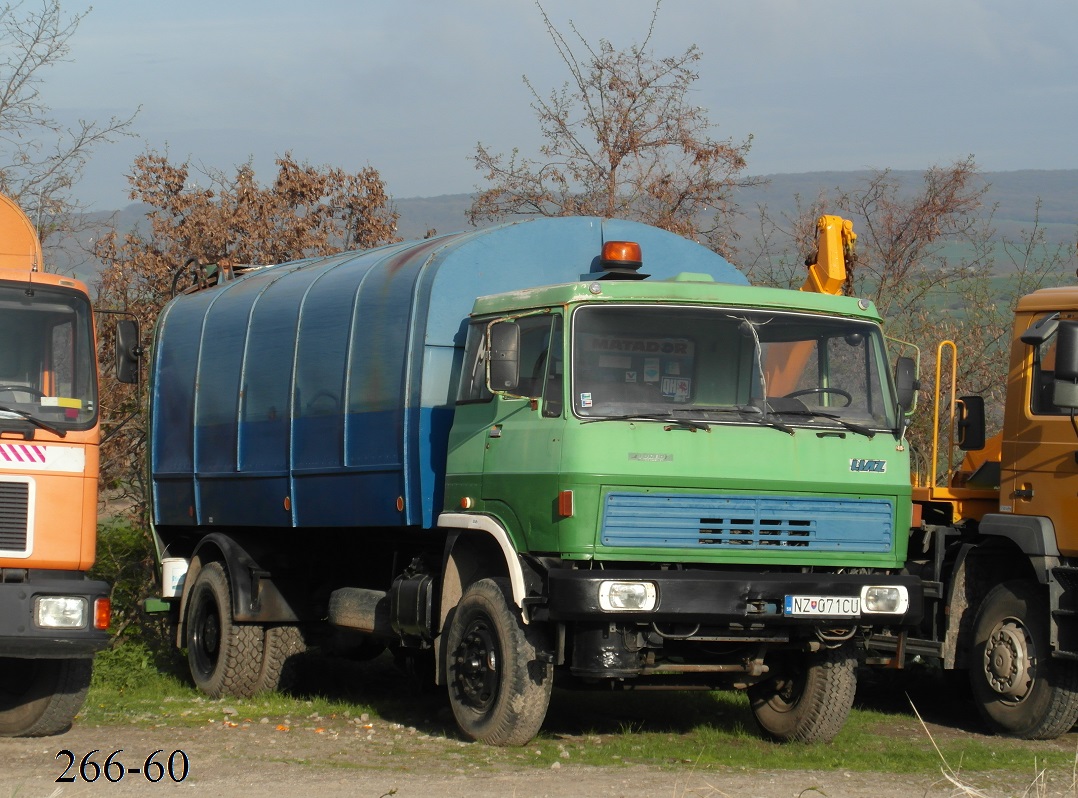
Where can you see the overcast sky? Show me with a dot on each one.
(410, 86)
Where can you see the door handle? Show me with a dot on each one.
(1023, 493)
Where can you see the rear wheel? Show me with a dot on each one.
(225, 658)
(1019, 689)
(809, 699)
(40, 697)
(498, 670)
(281, 645)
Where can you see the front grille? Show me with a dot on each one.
(653, 520)
(14, 515)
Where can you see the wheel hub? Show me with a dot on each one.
(477, 667)
(1008, 660)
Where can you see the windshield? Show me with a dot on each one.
(47, 358)
(729, 365)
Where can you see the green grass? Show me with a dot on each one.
(705, 731)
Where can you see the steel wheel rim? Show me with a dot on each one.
(478, 666)
(206, 636)
(1010, 658)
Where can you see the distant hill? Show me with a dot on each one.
(1012, 194)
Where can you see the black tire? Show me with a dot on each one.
(499, 669)
(809, 699)
(281, 645)
(40, 697)
(225, 658)
(1018, 687)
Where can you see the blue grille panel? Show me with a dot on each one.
(746, 522)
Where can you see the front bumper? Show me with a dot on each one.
(20, 636)
(724, 597)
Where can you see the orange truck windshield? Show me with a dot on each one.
(47, 358)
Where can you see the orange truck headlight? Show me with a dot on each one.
(61, 612)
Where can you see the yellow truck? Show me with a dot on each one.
(996, 539)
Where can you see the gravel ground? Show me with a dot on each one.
(357, 758)
(260, 760)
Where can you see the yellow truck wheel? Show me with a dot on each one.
(1018, 687)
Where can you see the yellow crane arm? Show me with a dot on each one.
(828, 273)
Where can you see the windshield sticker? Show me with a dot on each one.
(676, 388)
(630, 376)
(651, 369)
(585, 399)
(61, 401)
(665, 346)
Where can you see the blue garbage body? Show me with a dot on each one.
(320, 393)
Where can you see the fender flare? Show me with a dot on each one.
(1034, 535)
(491, 527)
(255, 597)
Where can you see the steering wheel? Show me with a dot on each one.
(837, 391)
(22, 389)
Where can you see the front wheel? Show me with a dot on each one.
(1019, 689)
(225, 658)
(40, 697)
(809, 699)
(498, 668)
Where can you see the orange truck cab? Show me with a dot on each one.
(52, 617)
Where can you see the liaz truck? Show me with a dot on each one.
(572, 451)
(995, 536)
(52, 617)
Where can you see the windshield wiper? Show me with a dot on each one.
(757, 414)
(850, 425)
(34, 420)
(673, 423)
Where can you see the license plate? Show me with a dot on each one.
(824, 606)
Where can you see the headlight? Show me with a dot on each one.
(60, 612)
(627, 596)
(890, 599)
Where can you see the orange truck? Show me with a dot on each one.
(52, 617)
(995, 539)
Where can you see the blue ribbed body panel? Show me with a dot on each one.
(321, 392)
(667, 520)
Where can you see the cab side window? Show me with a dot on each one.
(1044, 365)
(473, 373)
(535, 361)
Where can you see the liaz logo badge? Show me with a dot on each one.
(878, 466)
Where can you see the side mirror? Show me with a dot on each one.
(970, 423)
(503, 362)
(1040, 332)
(906, 383)
(1065, 386)
(128, 351)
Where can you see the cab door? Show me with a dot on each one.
(505, 447)
(522, 460)
(1042, 479)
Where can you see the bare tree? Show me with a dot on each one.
(41, 159)
(623, 140)
(305, 211)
